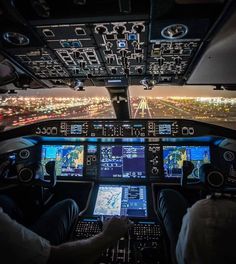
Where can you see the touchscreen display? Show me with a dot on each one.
(121, 200)
(173, 157)
(69, 159)
(119, 161)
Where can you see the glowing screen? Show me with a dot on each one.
(121, 200)
(122, 161)
(69, 159)
(173, 157)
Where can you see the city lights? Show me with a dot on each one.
(22, 110)
(216, 110)
(18, 110)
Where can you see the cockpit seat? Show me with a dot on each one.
(171, 208)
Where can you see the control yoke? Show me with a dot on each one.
(29, 175)
(210, 178)
(187, 170)
(50, 169)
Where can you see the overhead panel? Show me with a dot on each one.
(141, 47)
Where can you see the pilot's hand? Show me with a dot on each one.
(116, 227)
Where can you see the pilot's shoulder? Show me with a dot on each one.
(213, 208)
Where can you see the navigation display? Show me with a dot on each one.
(121, 200)
(69, 159)
(118, 161)
(173, 157)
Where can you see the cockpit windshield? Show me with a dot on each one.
(201, 103)
(31, 106)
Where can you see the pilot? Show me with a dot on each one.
(202, 234)
(45, 241)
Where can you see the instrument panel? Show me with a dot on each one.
(125, 151)
(124, 161)
(113, 128)
(154, 128)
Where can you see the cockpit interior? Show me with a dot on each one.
(99, 103)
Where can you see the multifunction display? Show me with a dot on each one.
(119, 161)
(174, 156)
(121, 200)
(69, 159)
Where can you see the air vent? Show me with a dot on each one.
(215, 179)
(25, 175)
(174, 31)
(16, 39)
(24, 154)
(228, 156)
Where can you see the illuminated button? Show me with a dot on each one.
(184, 131)
(121, 44)
(155, 170)
(132, 36)
(80, 31)
(54, 130)
(191, 131)
(48, 33)
(38, 131)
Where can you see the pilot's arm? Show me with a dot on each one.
(88, 250)
(18, 244)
